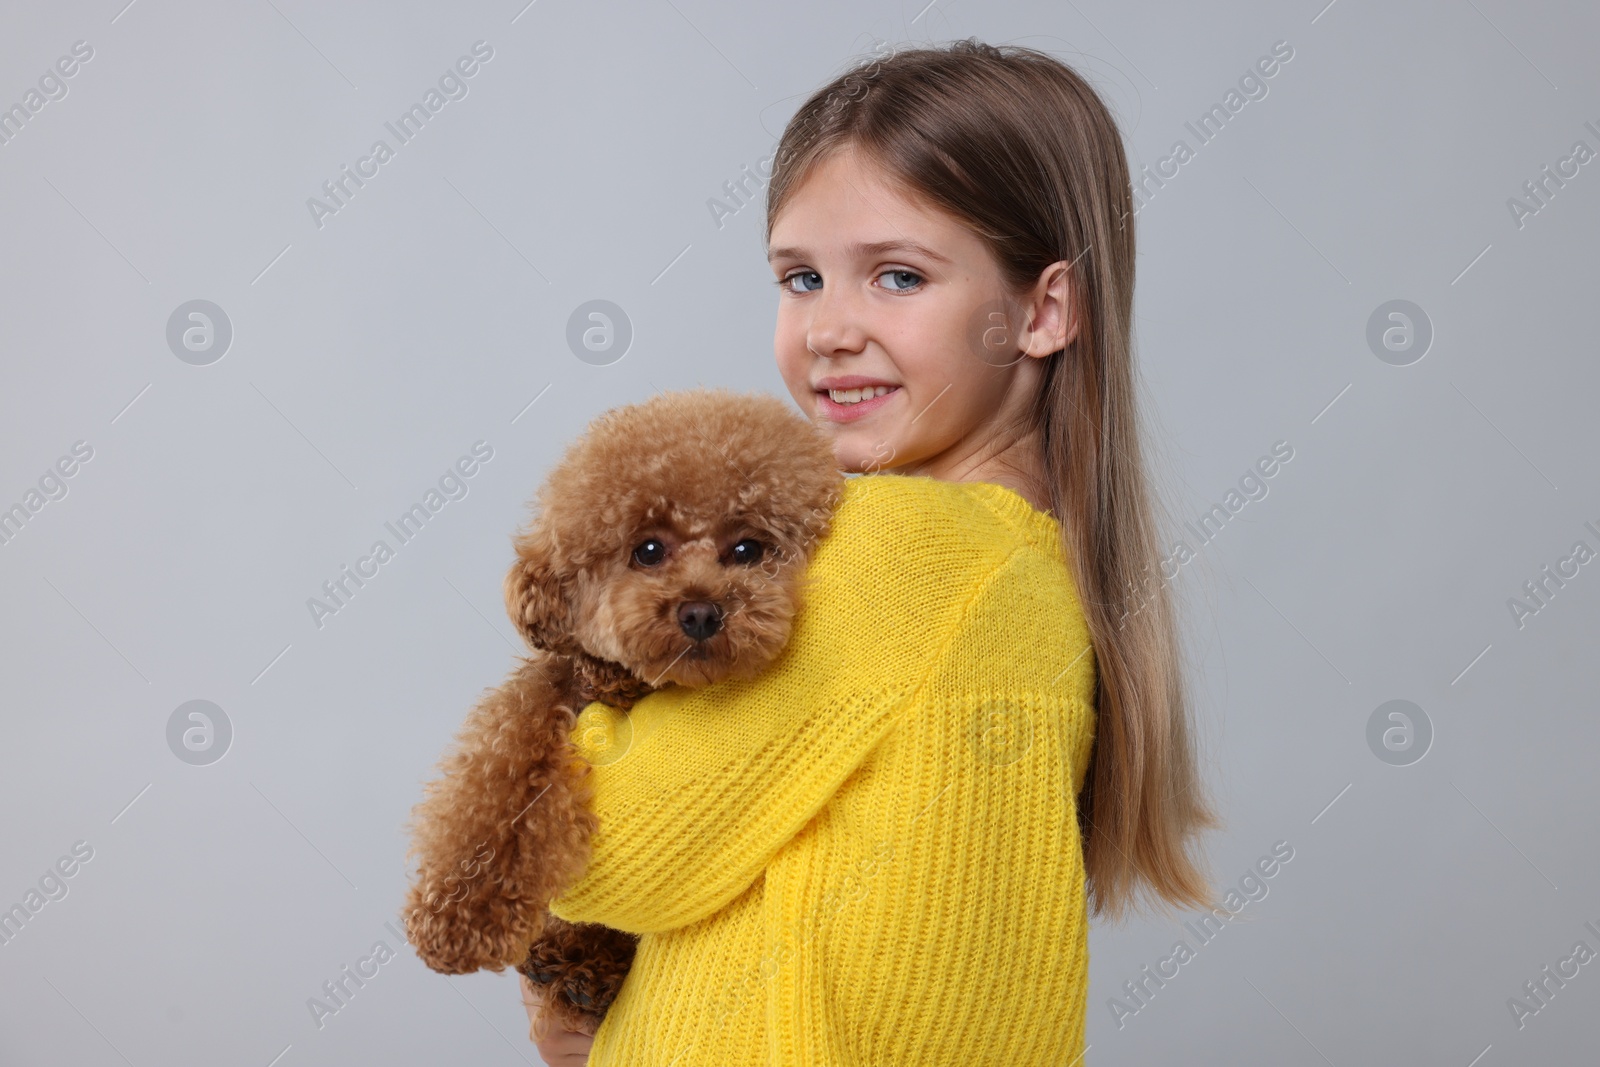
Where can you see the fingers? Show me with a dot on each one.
(568, 1047)
(531, 1003)
(538, 1025)
(557, 1045)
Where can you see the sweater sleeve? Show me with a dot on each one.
(696, 793)
(697, 790)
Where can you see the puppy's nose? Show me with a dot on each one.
(699, 619)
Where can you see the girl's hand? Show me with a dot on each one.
(562, 1048)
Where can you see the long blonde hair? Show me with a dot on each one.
(1021, 149)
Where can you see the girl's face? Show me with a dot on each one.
(892, 328)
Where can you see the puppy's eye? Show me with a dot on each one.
(650, 553)
(747, 551)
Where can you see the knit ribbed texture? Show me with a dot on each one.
(868, 856)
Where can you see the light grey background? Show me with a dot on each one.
(431, 311)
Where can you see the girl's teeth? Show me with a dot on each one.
(855, 396)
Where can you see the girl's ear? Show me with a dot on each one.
(1053, 314)
(539, 597)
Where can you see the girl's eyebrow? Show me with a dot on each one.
(875, 248)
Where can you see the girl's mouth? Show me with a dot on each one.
(844, 410)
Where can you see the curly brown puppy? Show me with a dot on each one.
(668, 546)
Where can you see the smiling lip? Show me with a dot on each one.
(833, 411)
(849, 381)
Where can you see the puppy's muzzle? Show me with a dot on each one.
(699, 619)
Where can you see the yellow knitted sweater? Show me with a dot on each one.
(868, 856)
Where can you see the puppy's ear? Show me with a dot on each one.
(539, 596)
(798, 533)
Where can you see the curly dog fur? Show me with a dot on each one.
(668, 546)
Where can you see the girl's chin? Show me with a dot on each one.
(866, 446)
(867, 456)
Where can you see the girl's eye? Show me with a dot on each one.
(787, 278)
(650, 553)
(904, 281)
(902, 275)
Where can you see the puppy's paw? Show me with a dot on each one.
(454, 939)
(580, 967)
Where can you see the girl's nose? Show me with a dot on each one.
(836, 327)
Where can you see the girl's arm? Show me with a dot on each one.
(696, 790)
(557, 1047)
(705, 788)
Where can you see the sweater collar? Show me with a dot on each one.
(1005, 501)
(1015, 507)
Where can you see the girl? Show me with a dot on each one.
(885, 850)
